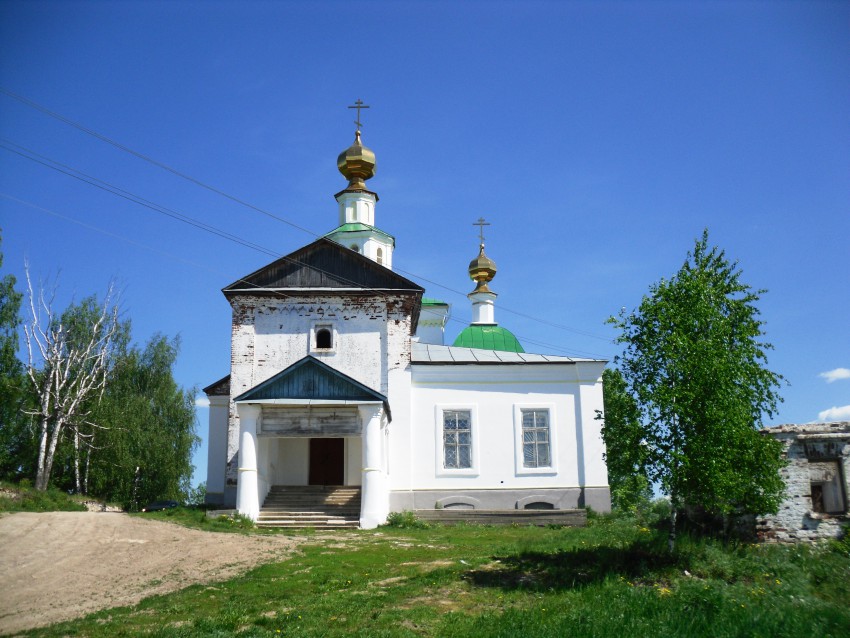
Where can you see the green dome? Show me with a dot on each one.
(488, 337)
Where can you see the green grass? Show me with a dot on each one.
(22, 498)
(612, 578)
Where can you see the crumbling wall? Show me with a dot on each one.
(816, 478)
(269, 334)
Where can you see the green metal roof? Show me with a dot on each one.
(355, 227)
(488, 337)
(430, 301)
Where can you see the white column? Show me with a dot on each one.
(247, 489)
(375, 503)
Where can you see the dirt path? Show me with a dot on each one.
(62, 565)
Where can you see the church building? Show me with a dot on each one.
(339, 376)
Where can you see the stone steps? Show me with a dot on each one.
(316, 506)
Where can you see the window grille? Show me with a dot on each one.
(457, 439)
(535, 438)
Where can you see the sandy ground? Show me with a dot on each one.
(62, 565)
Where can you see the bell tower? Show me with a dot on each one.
(357, 230)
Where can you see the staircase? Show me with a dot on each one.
(319, 506)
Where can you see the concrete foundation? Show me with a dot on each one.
(598, 498)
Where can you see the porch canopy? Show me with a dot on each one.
(310, 399)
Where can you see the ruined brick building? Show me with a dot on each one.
(339, 377)
(816, 483)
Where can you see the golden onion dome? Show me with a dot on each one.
(357, 164)
(482, 269)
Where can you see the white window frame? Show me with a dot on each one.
(475, 451)
(314, 329)
(519, 466)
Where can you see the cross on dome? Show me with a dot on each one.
(358, 105)
(482, 269)
(481, 224)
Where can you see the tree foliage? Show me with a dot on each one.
(15, 440)
(626, 452)
(695, 362)
(146, 452)
(128, 437)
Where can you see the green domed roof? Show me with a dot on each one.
(488, 337)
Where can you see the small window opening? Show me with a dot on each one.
(827, 489)
(355, 248)
(324, 339)
(539, 505)
(380, 256)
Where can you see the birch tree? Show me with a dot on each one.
(68, 365)
(695, 361)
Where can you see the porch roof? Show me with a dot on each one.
(311, 381)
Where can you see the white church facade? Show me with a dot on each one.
(339, 377)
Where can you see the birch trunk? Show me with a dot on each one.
(40, 480)
(78, 486)
(74, 369)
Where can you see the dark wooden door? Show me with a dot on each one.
(327, 461)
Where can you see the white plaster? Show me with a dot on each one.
(247, 495)
(483, 307)
(292, 460)
(353, 460)
(432, 324)
(217, 444)
(375, 494)
(498, 391)
(356, 206)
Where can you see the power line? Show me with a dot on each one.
(150, 160)
(275, 293)
(213, 189)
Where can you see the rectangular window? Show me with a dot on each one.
(457, 439)
(535, 438)
(827, 487)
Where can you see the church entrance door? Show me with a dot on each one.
(327, 461)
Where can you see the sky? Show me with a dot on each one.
(599, 139)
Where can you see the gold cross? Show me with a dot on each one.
(358, 105)
(481, 224)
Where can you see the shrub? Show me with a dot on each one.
(405, 520)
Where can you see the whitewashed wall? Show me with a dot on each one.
(217, 447)
(494, 394)
(371, 343)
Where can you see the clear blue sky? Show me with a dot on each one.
(599, 139)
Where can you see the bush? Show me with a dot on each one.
(405, 520)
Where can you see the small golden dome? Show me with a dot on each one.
(357, 164)
(482, 269)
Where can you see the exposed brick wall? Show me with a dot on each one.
(806, 445)
(372, 336)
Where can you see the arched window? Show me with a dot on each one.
(324, 340)
(355, 248)
(380, 256)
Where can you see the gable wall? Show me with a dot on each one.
(371, 343)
